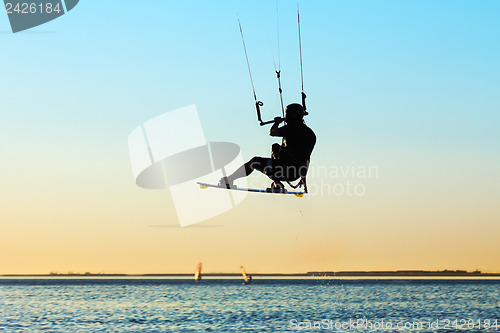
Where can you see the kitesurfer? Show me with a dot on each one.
(288, 161)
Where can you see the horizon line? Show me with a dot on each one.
(422, 273)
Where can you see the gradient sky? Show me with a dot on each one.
(411, 88)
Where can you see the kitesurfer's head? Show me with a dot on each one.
(294, 113)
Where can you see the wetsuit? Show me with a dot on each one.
(290, 160)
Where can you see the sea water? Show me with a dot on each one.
(266, 305)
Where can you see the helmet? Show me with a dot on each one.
(294, 113)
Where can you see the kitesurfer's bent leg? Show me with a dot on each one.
(261, 164)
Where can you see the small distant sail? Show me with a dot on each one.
(197, 273)
(247, 278)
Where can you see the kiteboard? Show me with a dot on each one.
(268, 190)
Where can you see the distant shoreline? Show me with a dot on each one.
(402, 273)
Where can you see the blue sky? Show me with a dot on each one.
(411, 87)
(415, 65)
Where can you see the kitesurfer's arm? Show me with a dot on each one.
(275, 130)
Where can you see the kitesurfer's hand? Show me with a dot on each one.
(274, 131)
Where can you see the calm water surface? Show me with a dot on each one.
(268, 305)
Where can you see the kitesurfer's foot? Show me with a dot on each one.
(277, 187)
(226, 182)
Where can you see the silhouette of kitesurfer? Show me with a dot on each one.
(288, 161)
